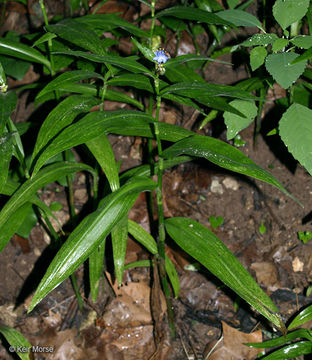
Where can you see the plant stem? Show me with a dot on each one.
(153, 22)
(161, 220)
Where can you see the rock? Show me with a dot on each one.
(230, 183)
(216, 187)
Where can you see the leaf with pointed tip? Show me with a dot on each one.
(24, 193)
(96, 268)
(6, 152)
(204, 246)
(240, 18)
(223, 155)
(24, 52)
(88, 235)
(137, 81)
(16, 340)
(286, 12)
(189, 13)
(304, 316)
(142, 236)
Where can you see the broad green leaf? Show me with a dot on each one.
(257, 57)
(29, 188)
(134, 80)
(279, 44)
(286, 12)
(6, 151)
(111, 21)
(142, 236)
(204, 246)
(14, 67)
(223, 155)
(305, 56)
(102, 150)
(280, 67)
(295, 129)
(189, 13)
(259, 39)
(146, 52)
(60, 117)
(96, 268)
(21, 51)
(304, 316)
(291, 351)
(27, 224)
(118, 122)
(44, 38)
(119, 237)
(300, 333)
(302, 41)
(240, 18)
(206, 90)
(236, 123)
(89, 234)
(16, 339)
(78, 34)
(127, 63)
(68, 78)
(181, 73)
(8, 103)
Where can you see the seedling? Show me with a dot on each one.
(216, 221)
(304, 236)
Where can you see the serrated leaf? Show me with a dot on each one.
(286, 12)
(223, 155)
(280, 67)
(304, 316)
(205, 247)
(259, 39)
(127, 63)
(236, 123)
(16, 339)
(189, 13)
(279, 44)
(119, 122)
(21, 51)
(257, 57)
(302, 41)
(240, 18)
(24, 193)
(295, 129)
(60, 117)
(88, 235)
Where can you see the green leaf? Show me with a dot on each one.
(191, 57)
(102, 150)
(279, 66)
(146, 52)
(88, 235)
(291, 351)
(279, 44)
(305, 56)
(205, 247)
(27, 224)
(14, 67)
(8, 103)
(173, 276)
(6, 151)
(16, 339)
(189, 13)
(29, 188)
(295, 129)
(78, 34)
(21, 51)
(223, 155)
(44, 38)
(240, 18)
(142, 236)
(302, 41)
(300, 333)
(60, 117)
(259, 39)
(68, 78)
(304, 316)
(117, 122)
(134, 80)
(127, 63)
(236, 123)
(286, 12)
(257, 57)
(96, 268)
(119, 236)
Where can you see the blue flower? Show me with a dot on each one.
(161, 56)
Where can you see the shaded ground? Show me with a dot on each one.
(120, 327)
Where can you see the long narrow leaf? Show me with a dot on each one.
(16, 340)
(96, 267)
(89, 234)
(119, 243)
(205, 247)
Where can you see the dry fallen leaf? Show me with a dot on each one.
(232, 347)
(266, 273)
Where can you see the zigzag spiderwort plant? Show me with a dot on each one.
(94, 73)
